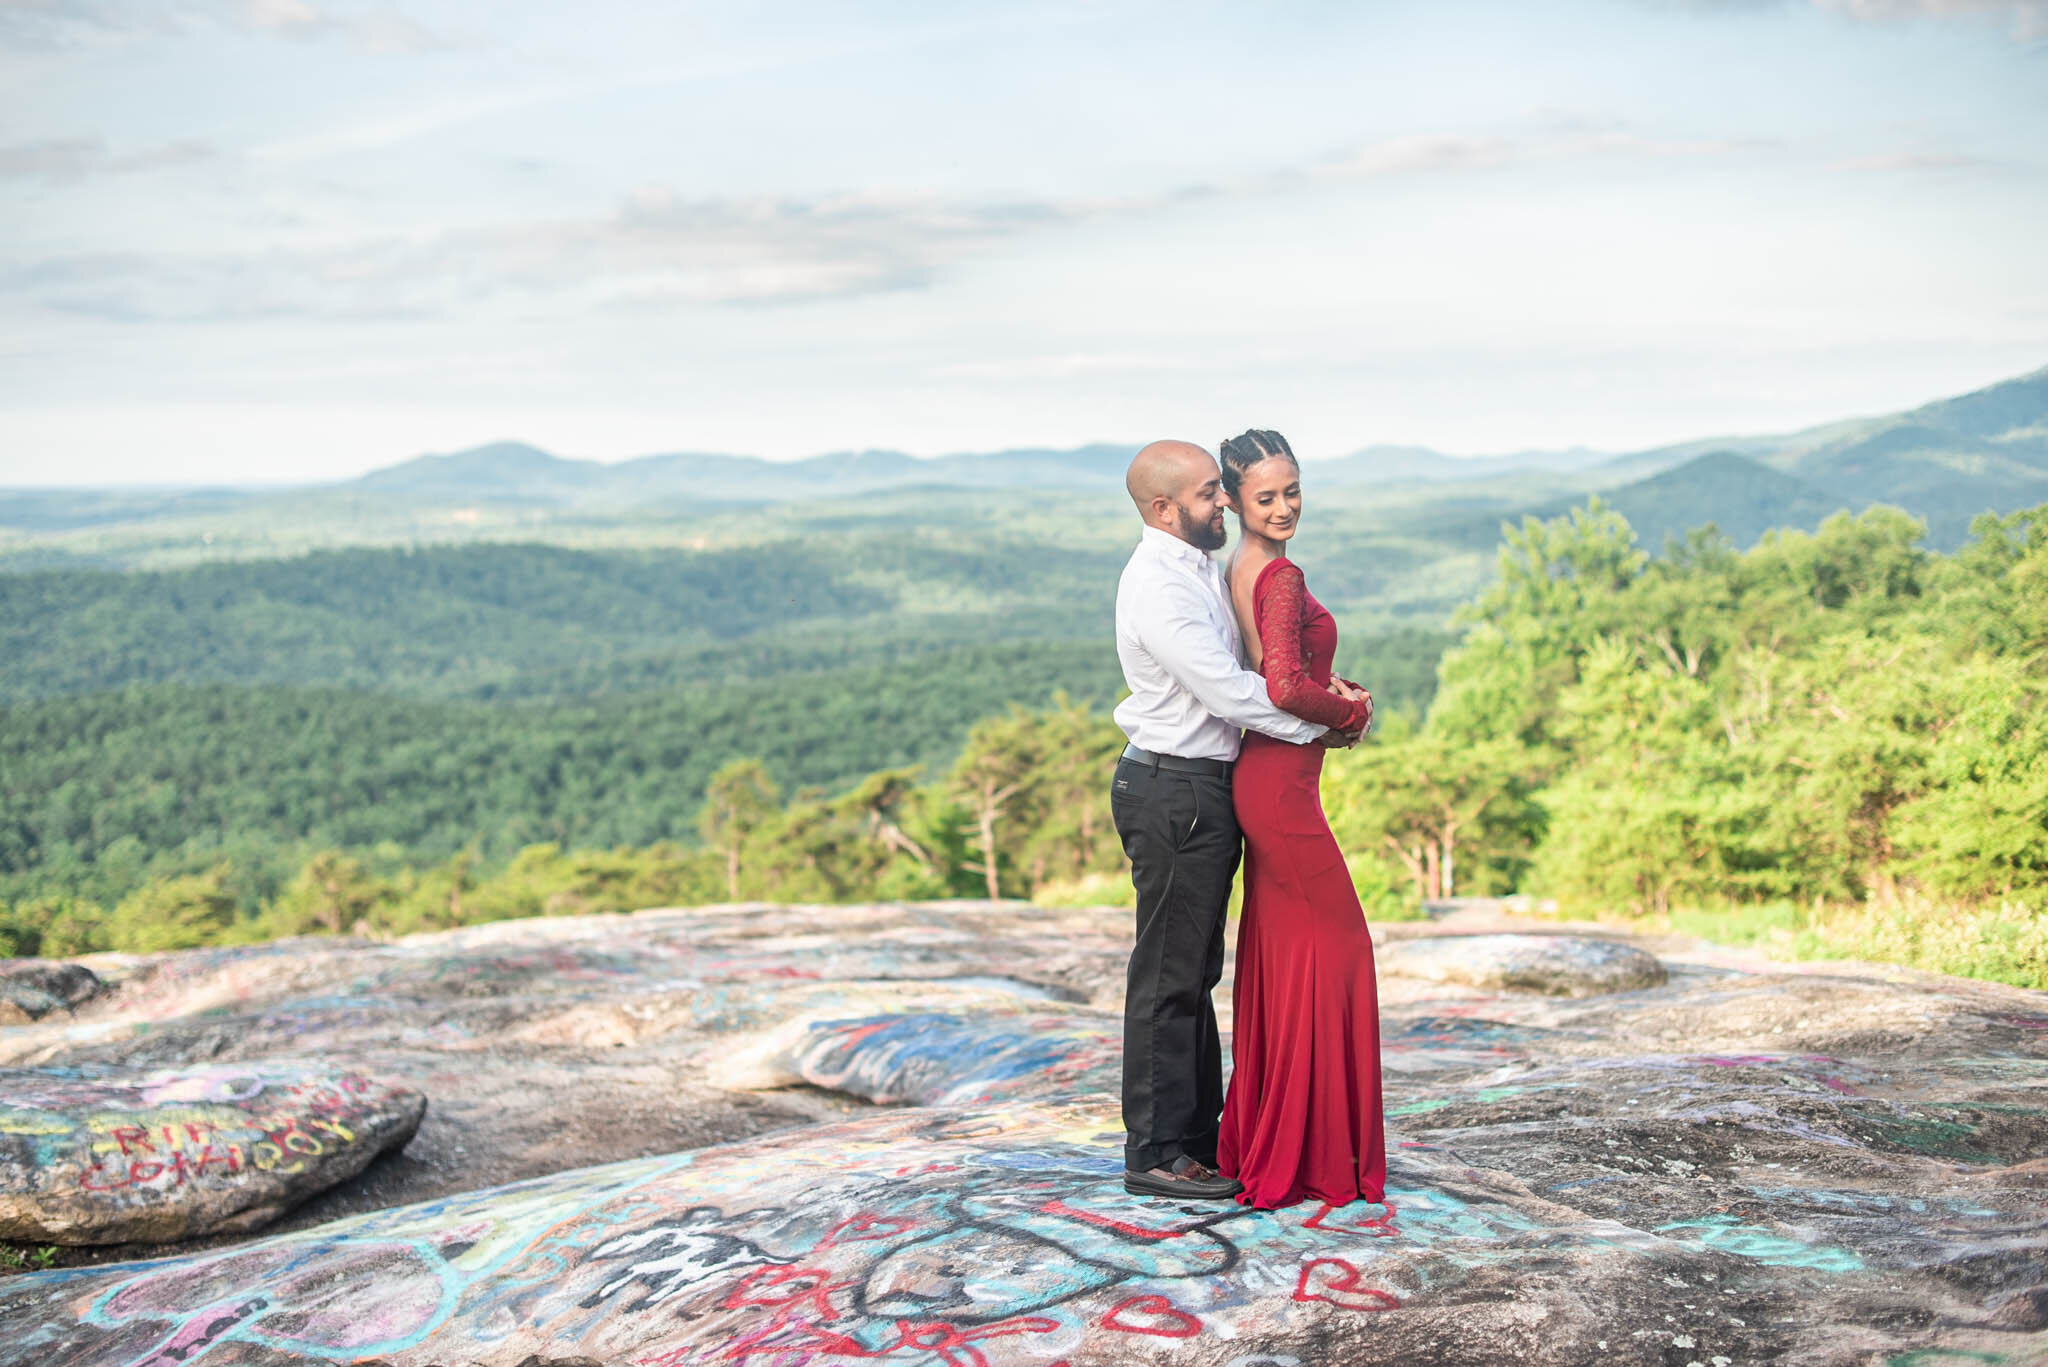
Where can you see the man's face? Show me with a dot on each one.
(1200, 506)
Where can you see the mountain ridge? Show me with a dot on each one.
(1945, 461)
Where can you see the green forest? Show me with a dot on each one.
(1835, 737)
(485, 620)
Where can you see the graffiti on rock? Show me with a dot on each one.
(101, 1157)
(1557, 1184)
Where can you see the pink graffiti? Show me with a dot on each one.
(222, 1086)
(322, 1303)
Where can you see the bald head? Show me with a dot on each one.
(1166, 469)
(1176, 486)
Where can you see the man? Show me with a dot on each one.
(1191, 699)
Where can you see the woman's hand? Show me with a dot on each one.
(1351, 692)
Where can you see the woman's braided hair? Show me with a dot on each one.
(1242, 453)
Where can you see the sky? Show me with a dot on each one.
(293, 240)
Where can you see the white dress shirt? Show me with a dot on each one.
(1177, 639)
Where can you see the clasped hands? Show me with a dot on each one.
(1350, 692)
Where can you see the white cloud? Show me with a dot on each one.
(1916, 160)
(1425, 152)
(1072, 365)
(58, 161)
(377, 31)
(65, 23)
(1544, 136)
(2026, 20)
(660, 250)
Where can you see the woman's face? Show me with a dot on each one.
(1269, 498)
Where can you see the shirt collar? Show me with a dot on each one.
(1167, 543)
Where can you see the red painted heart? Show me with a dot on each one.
(863, 1228)
(1342, 1285)
(1341, 1220)
(1152, 1315)
(785, 1286)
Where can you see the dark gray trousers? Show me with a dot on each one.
(1181, 837)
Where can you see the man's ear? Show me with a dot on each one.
(1158, 507)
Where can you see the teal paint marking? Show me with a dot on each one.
(1724, 1234)
(426, 1298)
(1925, 1134)
(1484, 1094)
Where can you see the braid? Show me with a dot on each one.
(1242, 453)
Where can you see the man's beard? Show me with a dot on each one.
(1201, 535)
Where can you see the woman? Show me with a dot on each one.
(1302, 1116)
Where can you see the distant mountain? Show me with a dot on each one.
(1944, 461)
(1385, 465)
(2007, 411)
(56, 510)
(504, 471)
(512, 472)
(1739, 495)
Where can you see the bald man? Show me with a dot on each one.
(1191, 700)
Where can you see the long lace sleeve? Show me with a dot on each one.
(1281, 600)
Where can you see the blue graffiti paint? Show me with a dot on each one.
(1726, 1234)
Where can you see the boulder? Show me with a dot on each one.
(1559, 965)
(99, 1157)
(32, 988)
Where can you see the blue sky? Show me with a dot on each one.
(297, 239)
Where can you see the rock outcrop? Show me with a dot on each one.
(88, 1156)
(31, 989)
(1562, 965)
(1740, 1164)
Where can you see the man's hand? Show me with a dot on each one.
(1338, 740)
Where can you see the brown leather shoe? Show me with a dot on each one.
(1187, 1179)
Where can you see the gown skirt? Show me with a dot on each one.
(1302, 1117)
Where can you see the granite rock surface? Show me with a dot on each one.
(95, 1156)
(1739, 1164)
(1562, 965)
(31, 989)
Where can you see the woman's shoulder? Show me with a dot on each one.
(1245, 566)
(1279, 563)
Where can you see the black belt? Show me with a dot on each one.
(1214, 768)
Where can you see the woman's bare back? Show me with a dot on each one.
(1245, 568)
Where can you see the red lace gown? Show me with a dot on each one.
(1302, 1117)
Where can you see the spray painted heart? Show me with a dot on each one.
(1342, 1285)
(1356, 1218)
(1152, 1315)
